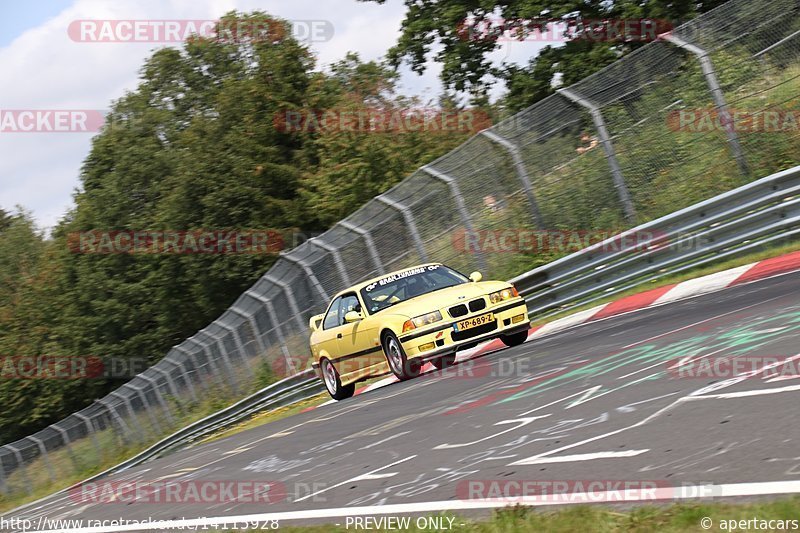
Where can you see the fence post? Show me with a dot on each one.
(253, 325)
(455, 191)
(124, 430)
(170, 384)
(67, 443)
(717, 96)
(371, 249)
(3, 485)
(43, 452)
(215, 370)
(147, 407)
(273, 316)
(22, 466)
(412, 225)
(310, 273)
(337, 258)
(90, 430)
(154, 384)
(289, 297)
(608, 148)
(130, 410)
(238, 340)
(234, 383)
(185, 374)
(193, 358)
(522, 174)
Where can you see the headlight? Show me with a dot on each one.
(505, 294)
(422, 320)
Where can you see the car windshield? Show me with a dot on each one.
(408, 284)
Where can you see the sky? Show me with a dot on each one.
(45, 68)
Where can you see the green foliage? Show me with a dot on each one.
(197, 146)
(445, 25)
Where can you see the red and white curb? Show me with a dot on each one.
(661, 295)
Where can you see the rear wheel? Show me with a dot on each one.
(515, 339)
(444, 361)
(332, 382)
(401, 367)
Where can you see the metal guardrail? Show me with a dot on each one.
(281, 393)
(731, 224)
(599, 154)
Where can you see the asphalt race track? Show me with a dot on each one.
(602, 401)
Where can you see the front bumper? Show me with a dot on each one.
(442, 339)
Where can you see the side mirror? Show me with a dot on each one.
(476, 276)
(352, 316)
(315, 322)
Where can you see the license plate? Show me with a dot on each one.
(474, 322)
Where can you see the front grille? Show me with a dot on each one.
(477, 305)
(474, 332)
(458, 310)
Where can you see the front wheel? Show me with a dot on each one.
(515, 339)
(332, 382)
(401, 367)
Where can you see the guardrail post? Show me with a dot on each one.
(193, 358)
(160, 397)
(185, 375)
(90, 431)
(22, 466)
(273, 316)
(717, 96)
(522, 174)
(310, 273)
(412, 225)
(608, 148)
(290, 298)
(455, 191)
(337, 258)
(371, 249)
(43, 452)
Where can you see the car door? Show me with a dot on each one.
(355, 339)
(327, 343)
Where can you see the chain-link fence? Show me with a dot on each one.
(654, 132)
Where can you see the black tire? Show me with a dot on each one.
(399, 364)
(444, 361)
(515, 339)
(330, 376)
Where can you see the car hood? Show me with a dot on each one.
(444, 298)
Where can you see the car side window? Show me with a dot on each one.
(349, 303)
(332, 318)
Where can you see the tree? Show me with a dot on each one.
(454, 29)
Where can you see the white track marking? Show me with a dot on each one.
(521, 422)
(710, 283)
(384, 440)
(670, 493)
(368, 475)
(747, 393)
(578, 457)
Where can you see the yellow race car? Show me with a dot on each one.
(400, 320)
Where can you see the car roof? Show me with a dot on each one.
(357, 287)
